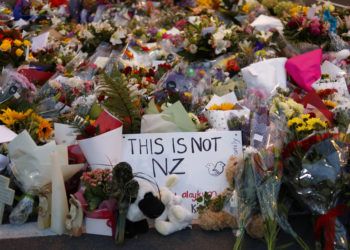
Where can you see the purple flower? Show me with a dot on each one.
(258, 46)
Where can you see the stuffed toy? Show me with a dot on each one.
(214, 216)
(167, 212)
(147, 205)
(175, 217)
(217, 215)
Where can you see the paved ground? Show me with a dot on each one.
(195, 239)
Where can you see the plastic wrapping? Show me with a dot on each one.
(186, 82)
(15, 85)
(317, 177)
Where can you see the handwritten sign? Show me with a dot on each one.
(198, 158)
(6, 194)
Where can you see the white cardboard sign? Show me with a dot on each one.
(198, 158)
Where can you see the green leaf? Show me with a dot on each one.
(119, 101)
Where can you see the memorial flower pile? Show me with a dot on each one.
(103, 104)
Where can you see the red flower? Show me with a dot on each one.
(151, 73)
(164, 66)
(127, 70)
(57, 3)
(101, 98)
(144, 48)
(232, 66)
(90, 130)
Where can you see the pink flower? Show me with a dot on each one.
(180, 25)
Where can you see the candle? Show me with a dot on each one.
(59, 208)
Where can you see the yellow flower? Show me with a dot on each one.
(206, 3)
(19, 52)
(5, 46)
(305, 117)
(44, 130)
(31, 57)
(17, 42)
(330, 104)
(7, 11)
(316, 124)
(214, 107)
(67, 40)
(9, 117)
(246, 8)
(295, 121)
(227, 106)
(305, 10)
(302, 128)
(188, 94)
(8, 121)
(26, 43)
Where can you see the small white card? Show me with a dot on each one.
(40, 42)
(6, 135)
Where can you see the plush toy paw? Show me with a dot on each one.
(165, 227)
(180, 213)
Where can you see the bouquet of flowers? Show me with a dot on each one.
(39, 128)
(12, 47)
(206, 37)
(97, 184)
(302, 29)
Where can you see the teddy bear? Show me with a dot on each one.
(175, 217)
(218, 214)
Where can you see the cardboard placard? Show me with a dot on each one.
(6, 194)
(198, 158)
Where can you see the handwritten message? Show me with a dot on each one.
(198, 158)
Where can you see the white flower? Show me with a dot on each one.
(84, 101)
(117, 36)
(55, 84)
(193, 49)
(221, 46)
(55, 21)
(100, 27)
(218, 41)
(76, 83)
(264, 36)
(85, 34)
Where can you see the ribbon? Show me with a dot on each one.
(326, 223)
(306, 143)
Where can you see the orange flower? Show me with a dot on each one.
(227, 106)
(214, 107)
(44, 130)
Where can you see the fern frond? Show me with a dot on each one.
(120, 100)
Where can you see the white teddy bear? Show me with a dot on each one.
(175, 217)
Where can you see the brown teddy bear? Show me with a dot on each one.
(213, 216)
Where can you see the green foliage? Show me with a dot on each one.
(206, 201)
(119, 100)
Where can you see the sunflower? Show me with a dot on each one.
(44, 130)
(295, 121)
(9, 116)
(8, 121)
